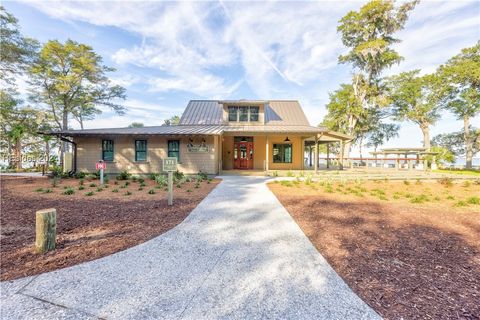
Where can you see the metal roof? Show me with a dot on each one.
(275, 129)
(277, 112)
(162, 130)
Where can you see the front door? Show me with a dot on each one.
(243, 155)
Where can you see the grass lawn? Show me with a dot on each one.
(409, 249)
(464, 172)
(92, 221)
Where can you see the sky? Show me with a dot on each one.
(167, 53)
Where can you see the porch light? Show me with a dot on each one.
(286, 140)
(243, 139)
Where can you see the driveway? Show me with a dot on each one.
(238, 255)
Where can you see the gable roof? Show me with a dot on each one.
(277, 112)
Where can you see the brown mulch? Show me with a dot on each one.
(406, 260)
(88, 227)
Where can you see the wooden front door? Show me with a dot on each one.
(243, 155)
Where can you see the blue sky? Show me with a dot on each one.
(167, 53)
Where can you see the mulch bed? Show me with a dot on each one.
(406, 261)
(88, 227)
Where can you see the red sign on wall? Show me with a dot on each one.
(100, 165)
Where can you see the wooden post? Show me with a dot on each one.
(170, 188)
(328, 155)
(341, 156)
(45, 230)
(310, 156)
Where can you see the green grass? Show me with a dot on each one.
(128, 193)
(115, 190)
(461, 203)
(286, 183)
(473, 200)
(81, 187)
(39, 190)
(93, 185)
(460, 171)
(419, 199)
(99, 189)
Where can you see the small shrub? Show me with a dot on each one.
(189, 190)
(396, 196)
(437, 198)
(406, 182)
(81, 182)
(473, 200)
(476, 182)
(127, 183)
(201, 176)
(105, 185)
(39, 190)
(446, 182)
(275, 173)
(134, 178)
(128, 193)
(79, 175)
(308, 179)
(177, 175)
(99, 189)
(123, 186)
(55, 181)
(161, 180)
(418, 182)
(197, 185)
(419, 199)
(179, 185)
(289, 173)
(141, 180)
(69, 191)
(142, 184)
(124, 175)
(286, 183)
(450, 197)
(153, 176)
(151, 191)
(461, 204)
(115, 190)
(48, 190)
(93, 185)
(466, 184)
(115, 182)
(81, 187)
(140, 189)
(89, 194)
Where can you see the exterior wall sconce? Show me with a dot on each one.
(286, 140)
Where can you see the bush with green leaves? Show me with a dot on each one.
(142, 184)
(89, 194)
(124, 175)
(92, 185)
(81, 187)
(69, 191)
(141, 180)
(115, 190)
(48, 190)
(161, 180)
(81, 181)
(151, 191)
(99, 189)
(419, 199)
(473, 200)
(128, 193)
(202, 176)
(140, 188)
(79, 175)
(134, 178)
(177, 175)
(189, 190)
(55, 181)
(39, 190)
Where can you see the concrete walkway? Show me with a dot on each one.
(238, 255)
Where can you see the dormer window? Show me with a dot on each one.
(242, 113)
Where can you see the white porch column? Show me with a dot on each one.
(267, 153)
(341, 156)
(315, 166)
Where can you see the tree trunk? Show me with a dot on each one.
(47, 154)
(426, 136)
(63, 144)
(18, 154)
(468, 142)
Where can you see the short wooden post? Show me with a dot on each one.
(45, 230)
(170, 188)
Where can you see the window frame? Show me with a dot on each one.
(282, 149)
(177, 151)
(104, 150)
(257, 113)
(235, 108)
(138, 151)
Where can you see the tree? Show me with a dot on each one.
(381, 134)
(414, 99)
(368, 33)
(172, 121)
(136, 125)
(16, 51)
(461, 94)
(443, 155)
(71, 81)
(455, 143)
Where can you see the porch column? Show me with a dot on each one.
(340, 165)
(310, 156)
(315, 166)
(220, 154)
(303, 153)
(328, 155)
(267, 153)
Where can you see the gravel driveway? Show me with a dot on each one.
(239, 255)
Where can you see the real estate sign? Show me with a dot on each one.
(170, 164)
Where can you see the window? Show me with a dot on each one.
(174, 149)
(107, 150)
(140, 150)
(243, 114)
(282, 153)
(253, 113)
(232, 113)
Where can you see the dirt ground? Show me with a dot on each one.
(88, 227)
(411, 251)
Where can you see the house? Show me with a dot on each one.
(212, 136)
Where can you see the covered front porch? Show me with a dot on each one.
(278, 151)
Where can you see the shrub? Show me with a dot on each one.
(140, 189)
(189, 190)
(48, 190)
(406, 182)
(286, 183)
(289, 173)
(201, 176)
(275, 173)
(115, 190)
(308, 179)
(81, 187)
(81, 182)
(461, 204)
(105, 185)
(141, 180)
(466, 184)
(446, 182)
(142, 184)
(69, 191)
(177, 175)
(55, 181)
(127, 183)
(161, 180)
(79, 175)
(197, 185)
(39, 190)
(419, 199)
(93, 185)
(134, 178)
(450, 198)
(123, 186)
(124, 175)
(99, 189)
(128, 193)
(115, 182)
(179, 185)
(151, 191)
(153, 176)
(476, 182)
(473, 200)
(418, 181)
(89, 194)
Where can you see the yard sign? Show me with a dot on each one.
(100, 165)
(170, 166)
